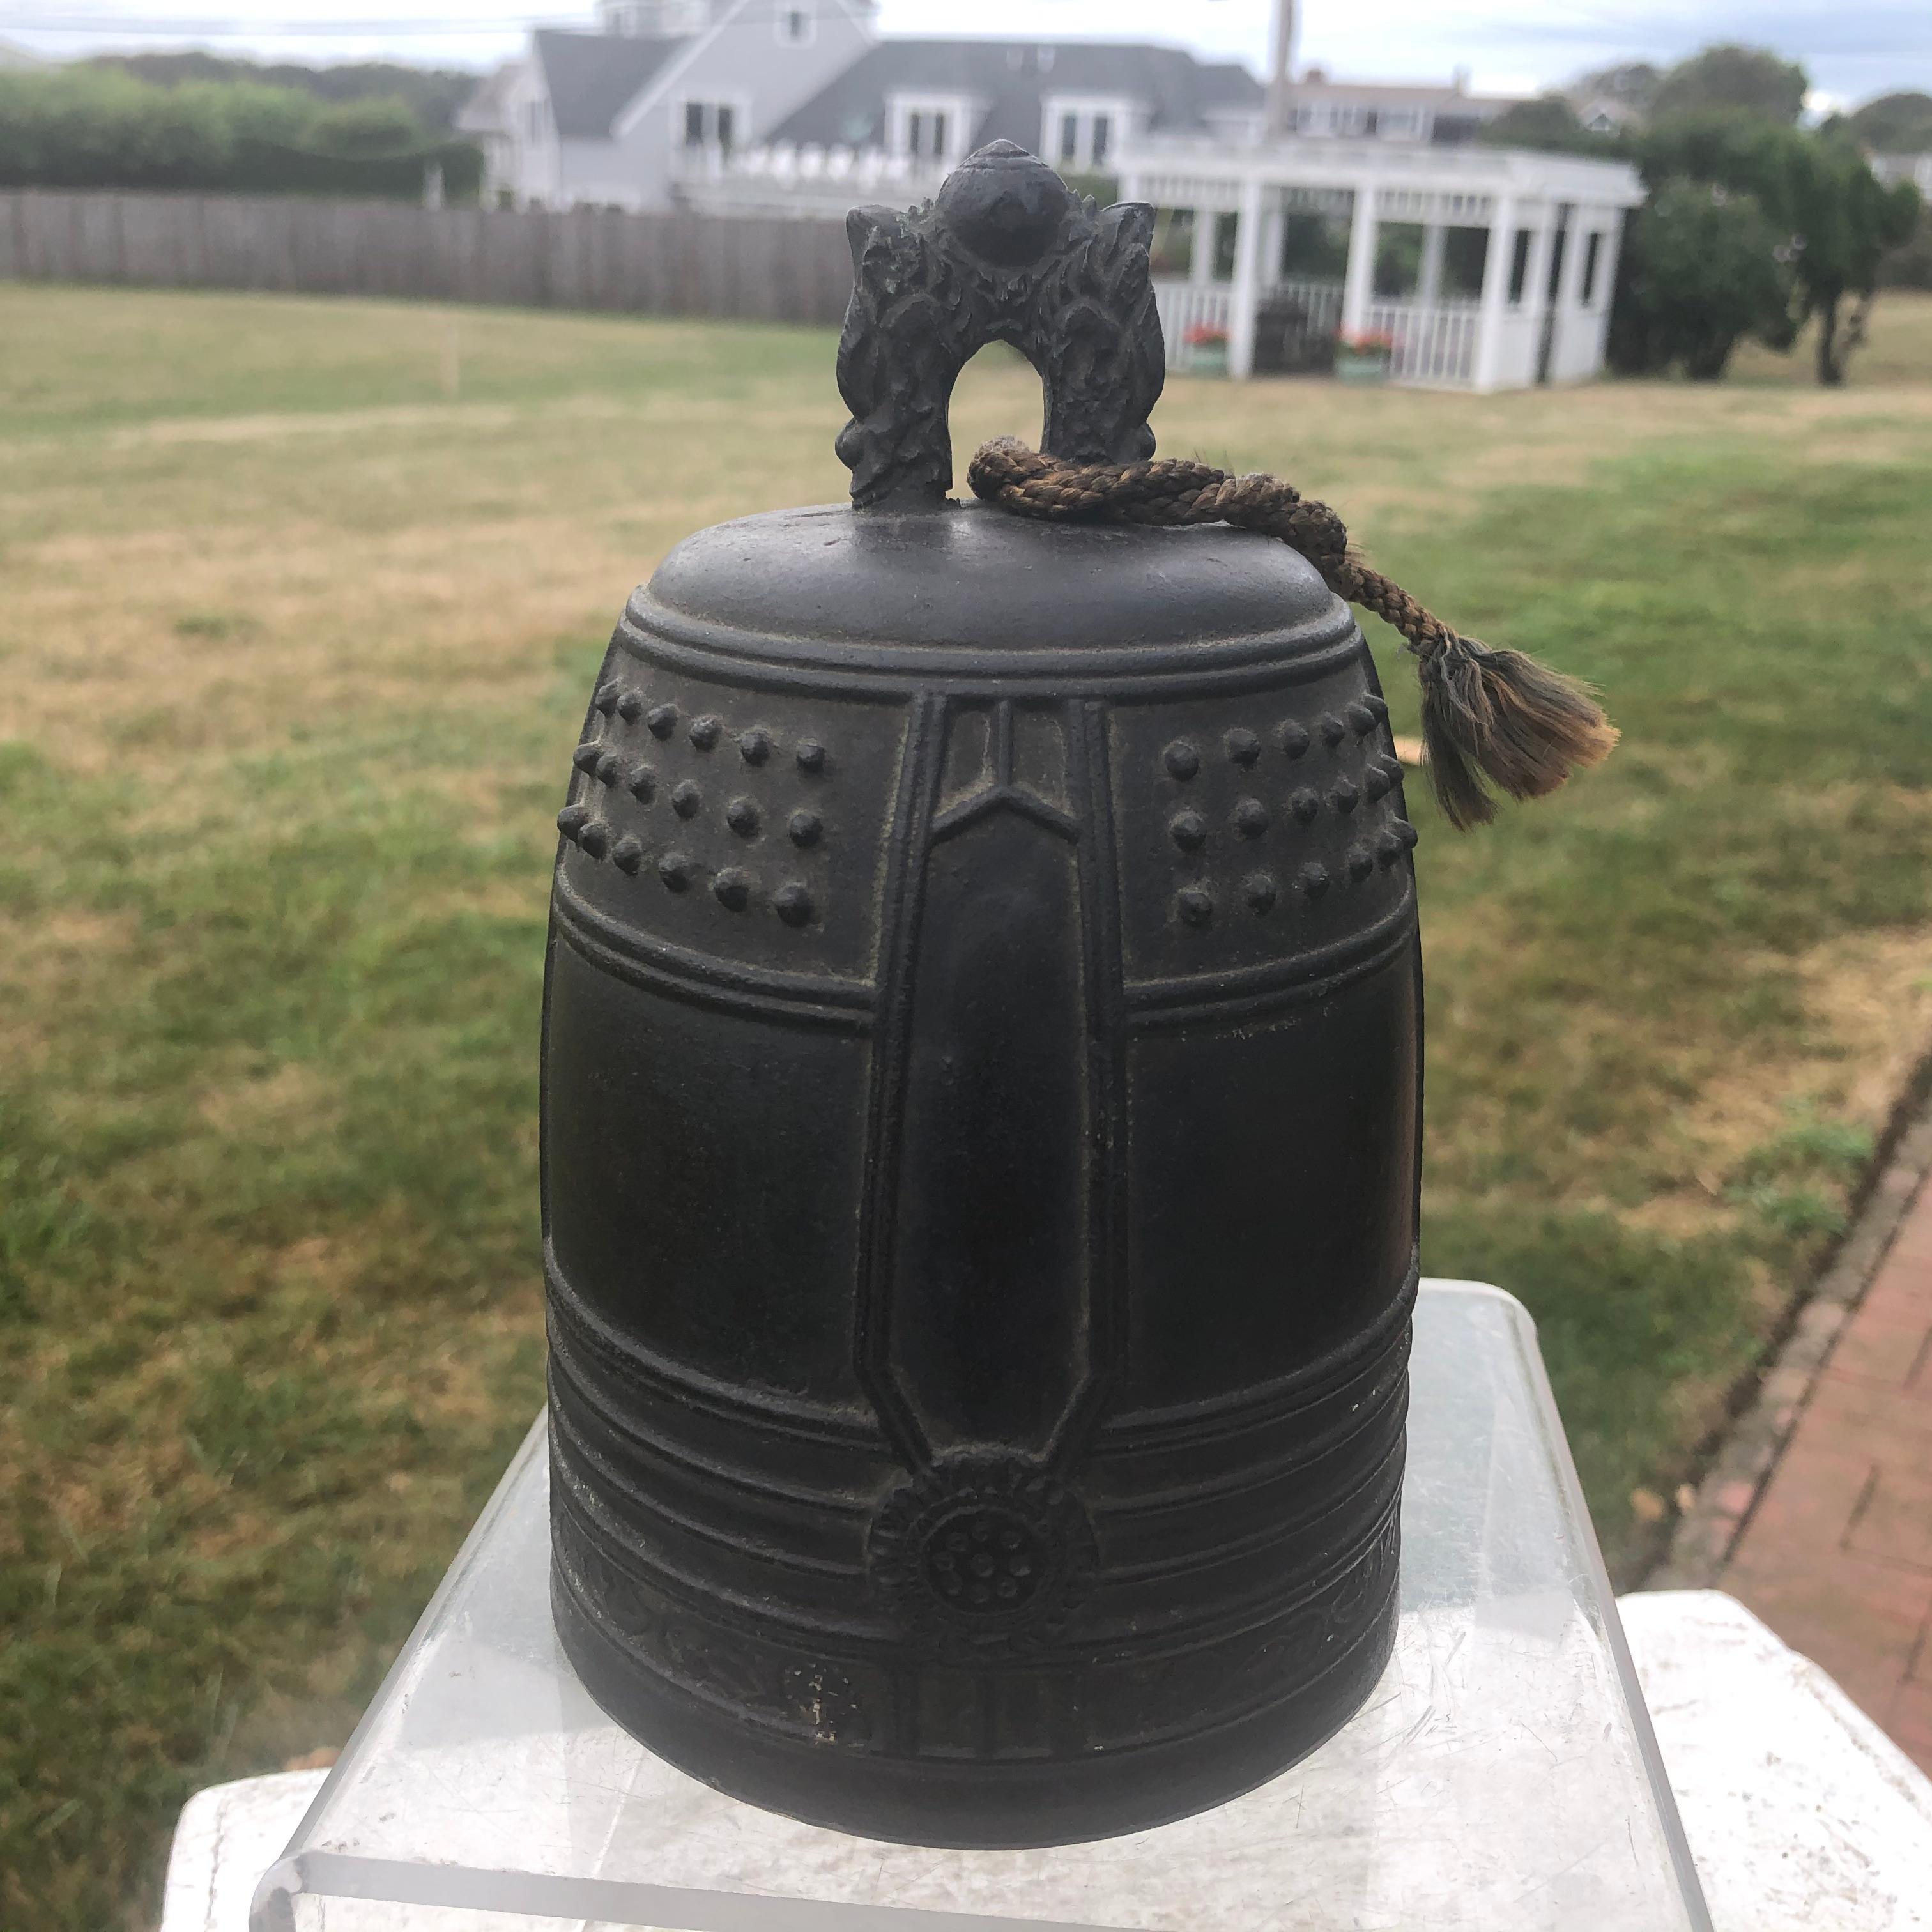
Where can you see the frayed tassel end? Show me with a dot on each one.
(1499, 717)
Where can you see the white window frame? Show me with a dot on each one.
(804, 10)
(1085, 111)
(1595, 246)
(960, 110)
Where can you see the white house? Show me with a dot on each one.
(1485, 267)
(666, 92)
(1376, 110)
(760, 106)
(1373, 211)
(894, 124)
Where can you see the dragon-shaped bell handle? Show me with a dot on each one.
(1006, 253)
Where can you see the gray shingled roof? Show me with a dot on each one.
(593, 77)
(1181, 90)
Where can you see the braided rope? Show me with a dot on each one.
(1496, 712)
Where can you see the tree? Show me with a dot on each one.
(1910, 266)
(1819, 189)
(375, 125)
(1549, 122)
(1894, 124)
(1634, 84)
(1729, 75)
(84, 127)
(435, 93)
(1702, 268)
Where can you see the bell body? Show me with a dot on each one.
(981, 1132)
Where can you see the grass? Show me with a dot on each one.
(292, 651)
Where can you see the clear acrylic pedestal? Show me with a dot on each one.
(1502, 1776)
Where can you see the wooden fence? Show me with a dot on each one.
(757, 268)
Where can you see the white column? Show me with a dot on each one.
(1274, 235)
(1246, 296)
(1358, 285)
(1598, 320)
(1428, 283)
(1570, 290)
(1201, 263)
(1536, 284)
(1495, 293)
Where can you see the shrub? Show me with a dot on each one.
(93, 128)
(1701, 270)
(1838, 221)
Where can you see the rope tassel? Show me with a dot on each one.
(1488, 717)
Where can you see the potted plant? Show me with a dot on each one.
(1364, 358)
(1207, 347)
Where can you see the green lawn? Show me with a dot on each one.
(294, 642)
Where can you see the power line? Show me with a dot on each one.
(305, 29)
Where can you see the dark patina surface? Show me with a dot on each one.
(981, 1114)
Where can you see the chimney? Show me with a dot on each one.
(1281, 72)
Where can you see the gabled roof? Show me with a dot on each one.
(1010, 79)
(592, 78)
(482, 113)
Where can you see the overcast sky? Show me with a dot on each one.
(1853, 49)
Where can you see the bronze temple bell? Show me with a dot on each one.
(981, 1109)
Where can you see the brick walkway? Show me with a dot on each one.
(1836, 1555)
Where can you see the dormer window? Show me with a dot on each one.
(932, 129)
(1081, 131)
(710, 125)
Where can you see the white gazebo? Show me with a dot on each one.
(1529, 303)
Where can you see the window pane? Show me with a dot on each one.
(939, 137)
(915, 133)
(1465, 255)
(726, 128)
(1519, 267)
(1070, 136)
(1314, 247)
(1103, 129)
(694, 123)
(1592, 257)
(1172, 253)
(1226, 228)
(1398, 259)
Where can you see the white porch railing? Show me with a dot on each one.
(783, 178)
(1435, 342)
(1189, 305)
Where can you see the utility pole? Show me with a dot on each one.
(1281, 72)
